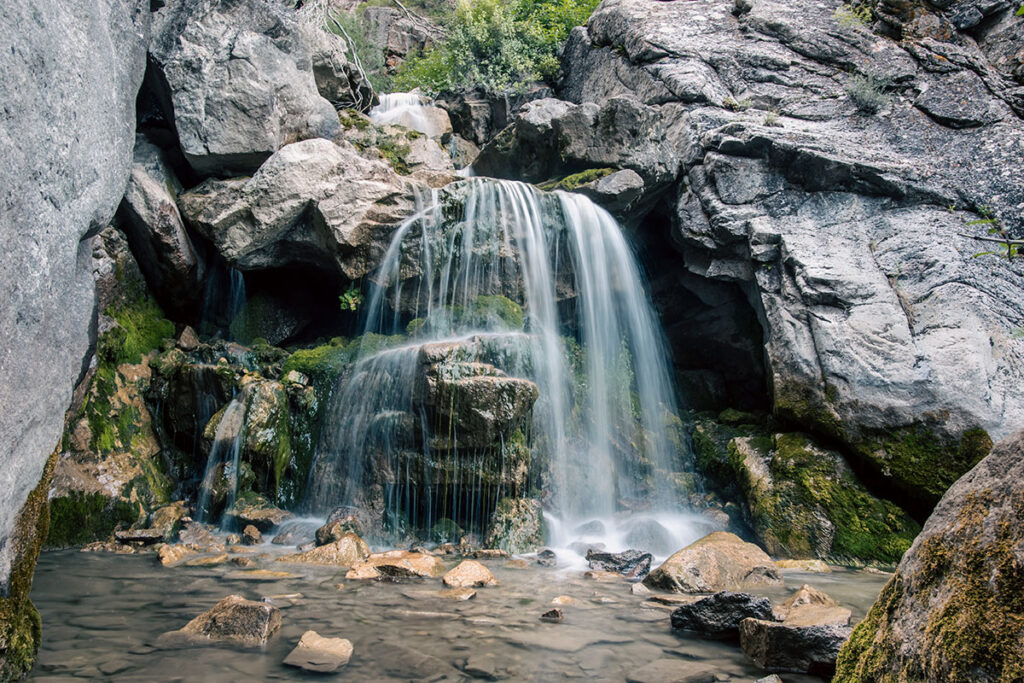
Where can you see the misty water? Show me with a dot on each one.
(605, 421)
(103, 614)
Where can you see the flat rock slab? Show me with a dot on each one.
(563, 641)
(319, 654)
(672, 671)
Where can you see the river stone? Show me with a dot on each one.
(631, 563)
(337, 528)
(952, 610)
(171, 555)
(719, 616)
(312, 204)
(469, 574)
(807, 595)
(140, 536)
(808, 641)
(240, 82)
(675, 670)
(67, 134)
(719, 561)
(235, 620)
(814, 566)
(251, 535)
(347, 551)
(168, 519)
(397, 564)
(319, 654)
(260, 514)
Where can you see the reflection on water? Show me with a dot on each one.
(102, 615)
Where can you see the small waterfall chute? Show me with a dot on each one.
(221, 477)
(586, 338)
(407, 109)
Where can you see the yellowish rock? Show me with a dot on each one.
(172, 555)
(347, 551)
(458, 594)
(397, 564)
(719, 561)
(563, 600)
(816, 566)
(210, 561)
(468, 574)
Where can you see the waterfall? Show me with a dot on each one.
(605, 420)
(223, 300)
(222, 466)
(403, 109)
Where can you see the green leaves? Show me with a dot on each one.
(497, 44)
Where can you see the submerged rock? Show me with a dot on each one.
(234, 620)
(469, 574)
(633, 564)
(953, 609)
(808, 641)
(347, 551)
(720, 615)
(319, 654)
(552, 616)
(397, 564)
(719, 561)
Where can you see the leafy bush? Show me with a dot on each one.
(867, 92)
(497, 45)
(371, 55)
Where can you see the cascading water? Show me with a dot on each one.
(605, 417)
(403, 109)
(220, 480)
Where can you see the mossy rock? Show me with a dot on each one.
(805, 503)
(20, 624)
(79, 518)
(954, 610)
(575, 180)
(516, 526)
(498, 308)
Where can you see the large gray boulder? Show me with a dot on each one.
(239, 82)
(551, 138)
(159, 241)
(843, 228)
(953, 609)
(69, 73)
(313, 204)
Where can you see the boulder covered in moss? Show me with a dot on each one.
(805, 502)
(954, 609)
(516, 526)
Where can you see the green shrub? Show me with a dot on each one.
(497, 45)
(867, 92)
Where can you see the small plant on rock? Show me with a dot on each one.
(867, 92)
(351, 299)
(850, 16)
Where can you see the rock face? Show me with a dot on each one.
(632, 563)
(953, 609)
(313, 204)
(720, 615)
(159, 241)
(239, 82)
(719, 561)
(235, 620)
(843, 227)
(61, 183)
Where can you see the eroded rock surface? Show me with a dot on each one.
(952, 610)
(719, 561)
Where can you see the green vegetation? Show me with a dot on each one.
(850, 16)
(80, 518)
(141, 328)
(351, 299)
(867, 92)
(496, 45)
(498, 308)
(574, 181)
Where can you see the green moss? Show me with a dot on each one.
(142, 328)
(489, 308)
(20, 624)
(866, 656)
(394, 152)
(922, 461)
(574, 181)
(350, 118)
(80, 518)
(322, 364)
(970, 580)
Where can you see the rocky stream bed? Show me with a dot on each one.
(104, 615)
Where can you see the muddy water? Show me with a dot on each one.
(103, 613)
